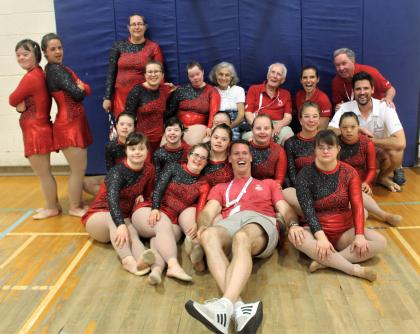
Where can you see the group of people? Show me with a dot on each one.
(223, 168)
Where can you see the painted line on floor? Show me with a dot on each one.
(64, 234)
(398, 203)
(15, 224)
(406, 245)
(14, 209)
(17, 251)
(27, 287)
(27, 327)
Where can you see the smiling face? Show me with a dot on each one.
(136, 154)
(344, 66)
(240, 158)
(262, 130)
(224, 78)
(309, 119)
(173, 134)
(124, 126)
(137, 28)
(197, 159)
(349, 129)
(54, 51)
(309, 80)
(219, 141)
(196, 77)
(26, 58)
(275, 76)
(153, 74)
(363, 91)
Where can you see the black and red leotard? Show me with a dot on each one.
(165, 155)
(178, 189)
(127, 62)
(114, 153)
(269, 162)
(35, 120)
(361, 156)
(120, 189)
(300, 153)
(217, 172)
(70, 127)
(149, 107)
(194, 105)
(325, 197)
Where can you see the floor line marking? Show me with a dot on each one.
(406, 245)
(17, 251)
(53, 291)
(48, 233)
(398, 203)
(26, 287)
(14, 209)
(408, 227)
(15, 224)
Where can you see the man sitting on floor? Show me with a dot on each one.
(248, 229)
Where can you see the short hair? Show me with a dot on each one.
(32, 46)
(308, 104)
(154, 62)
(124, 113)
(239, 141)
(362, 76)
(326, 137)
(222, 112)
(282, 66)
(349, 114)
(136, 14)
(310, 67)
(136, 138)
(262, 116)
(218, 67)
(202, 145)
(223, 127)
(195, 63)
(48, 37)
(348, 52)
(174, 121)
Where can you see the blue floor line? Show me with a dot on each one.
(15, 224)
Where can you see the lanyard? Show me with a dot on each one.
(237, 199)
(349, 97)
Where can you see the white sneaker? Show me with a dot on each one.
(248, 317)
(213, 314)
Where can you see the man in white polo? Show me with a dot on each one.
(380, 122)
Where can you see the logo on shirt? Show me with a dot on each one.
(259, 187)
(280, 103)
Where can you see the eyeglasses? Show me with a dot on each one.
(153, 72)
(137, 24)
(198, 156)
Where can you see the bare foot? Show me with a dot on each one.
(155, 277)
(79, 212)
(46, 213)
(388, 184)
(314, 266)
(364, 272)
(393, 220)
(178, 273)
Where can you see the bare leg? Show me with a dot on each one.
(386, 168)
(195, 134)
(91, 184)
(373, 207)
(290, 197)
(77, 159)
(248, 241)
(41, 165)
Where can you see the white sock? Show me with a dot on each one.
(238, 304)
(229, 305)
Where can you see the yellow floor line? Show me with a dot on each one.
(49, 233)
(51, 294)
(408, 227)
(25, 287)
(17, 251)
(406, 245)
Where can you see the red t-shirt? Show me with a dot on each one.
(319, 97)
(342, 90)
(275, 107)
(261, 196)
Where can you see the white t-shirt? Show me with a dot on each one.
(230, 97)
(383, 121)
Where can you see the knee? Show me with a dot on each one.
(241, 240)
(381, 242)
(209, 238)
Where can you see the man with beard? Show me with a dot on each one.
(380, 122)
(248, 229)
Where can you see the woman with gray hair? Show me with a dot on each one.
(232, 97)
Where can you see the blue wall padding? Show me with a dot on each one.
(251, 35)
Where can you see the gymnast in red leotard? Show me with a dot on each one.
(71, 131)
(32, 100)
(330, 195)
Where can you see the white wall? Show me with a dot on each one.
(19, 19)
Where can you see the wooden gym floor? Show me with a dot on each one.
(54, 279)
